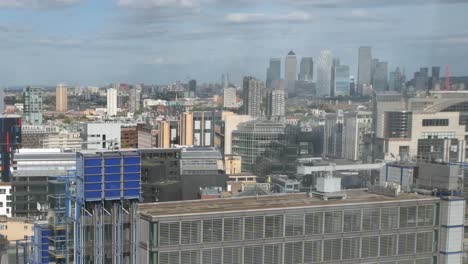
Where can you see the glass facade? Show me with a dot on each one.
(311, 235)
(253, 138)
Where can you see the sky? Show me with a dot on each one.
(97, 42)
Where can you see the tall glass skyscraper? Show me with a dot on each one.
(32, 99)
(380, 78)
(324, 73)
(306, 71)
(341, 80)
(273, 72)
(364, 66)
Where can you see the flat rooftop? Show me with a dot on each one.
(267, 202)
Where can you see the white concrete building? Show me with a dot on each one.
(101, 135)
(63, 140)
(111, 102)
(229, 97)
(356, 125)
(5, 199)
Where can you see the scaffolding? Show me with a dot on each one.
(24, 249)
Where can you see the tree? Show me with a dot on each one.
(3, 246)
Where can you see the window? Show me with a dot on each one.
(212, 230)
(273, 254)
(333, 222)
(190, 257)
(231, 255)
(232, 229)
(389, 219)
(370, 218)
(253, 254)
(388, 245)
(351, 247)
(314, 223)
(169, 233)
(293, 252)
(190, 232)
(212, 256)
(369, 247)
(8, 197)
(274, 226)
(169, 257)
(406, 244)
(351, 220)
(2, 191)
(425, 215)
(253, 227)
(8, 204)
(407, 216)
(435, 122)
(294, 225)
(1, 204)
(424, 242)
(312, 251)
(331, 249)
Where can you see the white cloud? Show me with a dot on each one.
(59, 42)
(37, 3)
(161, 3)
(296, 16)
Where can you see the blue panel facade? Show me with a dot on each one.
(108, 176)
(41, 244)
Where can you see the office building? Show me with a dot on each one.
(135, 99)
(290, 70)
(252, 96)
(10, 141)
(229, 97)
(275, 104)
(356, 125)
(341, 84)
(16, 228)
(2, 100)
(33, 171)
(164, 134)
(448, 150)
(61, 98)
(273, 72)
(101, 136)
(323, 86)
(201, 167)
(333, 135)
(198, 128)
(306, 70)
(33, 135)
(253, 138)
(435, 77)
(32, 101)
(63, 140)
(192, 86)
(160, 174)
(364, 67)
(147, 136)
(295, 228)
(380, 77)
(230, 124)
(128, 136)
(5, 199)
(111, 102)
(395, 80)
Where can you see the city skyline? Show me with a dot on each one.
(128, 41)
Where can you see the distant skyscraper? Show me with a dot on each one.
(61, 98)
(290, 70)
(273, 72)
(335, 63)
(229, 97)
(32, 99)
(364, 66)
(324, 73)
(2, 100)
(111, 102)
(252, 95)
(275, 104)
(135, 99)
(341, 84)
(192, 88)
(435, 77)
(395, 80)
(380, 80)
(306, 71)
(374, 63)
